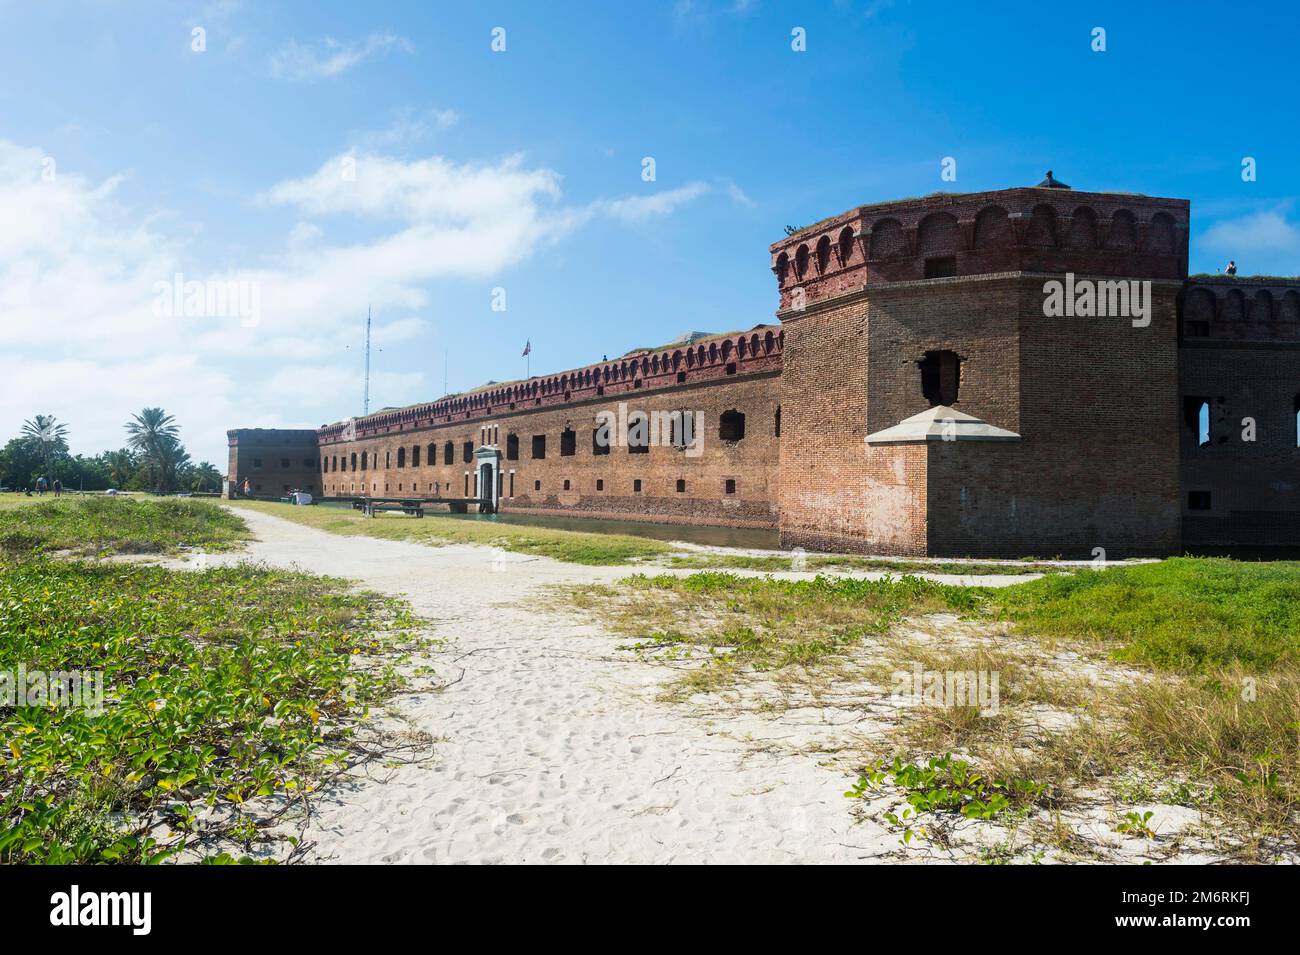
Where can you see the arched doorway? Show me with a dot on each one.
(488, 459)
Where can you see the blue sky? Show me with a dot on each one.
(127, 156)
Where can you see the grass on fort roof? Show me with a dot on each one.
(575, 547)
(1240, 277)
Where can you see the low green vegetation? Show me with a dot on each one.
(91, 525)
(1176, 681)
(1186, 614)
(734, 625)
(573, 546)
(212, 704)
(944, 785)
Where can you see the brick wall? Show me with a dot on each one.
(275, 460)
(727, 483)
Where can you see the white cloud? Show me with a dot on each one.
(738, 195)
(406, 128)
(638, 208)
(311, 62)
(79, 337)
(428, 190)
(1263, 232)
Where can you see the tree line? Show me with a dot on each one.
(153, 459)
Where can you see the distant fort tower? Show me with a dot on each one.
(1022, 372)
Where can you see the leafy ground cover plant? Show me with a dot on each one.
(229, 696)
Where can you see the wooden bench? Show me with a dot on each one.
(371, 506)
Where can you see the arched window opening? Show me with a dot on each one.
(568, 443)
(401, 457)
(638, 433)
(467, 452)
(940, 377)
(823, 254)
(1196, 415)
(846, 245)
(731, 426)
(512, 447)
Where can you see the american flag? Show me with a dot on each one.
(528, 348)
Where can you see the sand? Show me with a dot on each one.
(551, 744)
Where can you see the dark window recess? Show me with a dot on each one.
(537, 485)
(539, 446)
(731, 426)
(257, 462)
(566, 484)
(731, 486)
(940, 268)
(731, 368)
(284, 462)
(512, 447)
(401, 457)
(681, 486)
(467, 452)
(600, 440)
(568, 443)
(940, 377)
(448, 453)
(1198, 500)
(638, 434)
(600, 485)
(636, 486)
(778, 421)
(1194, 329)
(681, 377)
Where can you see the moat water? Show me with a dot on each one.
(751, 537)
(691, 533)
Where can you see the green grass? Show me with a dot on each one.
(89, 525)
(1186, 614)
(572, 546)
(222, 688)
(1210, 710)
(736, 625)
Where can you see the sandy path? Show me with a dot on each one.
(552, 747)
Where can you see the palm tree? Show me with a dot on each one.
(154, 434)
(48, 434)
(121, 466)
(204, 477)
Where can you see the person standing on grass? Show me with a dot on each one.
(58, 488)
(40, 486)
(248, 488)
